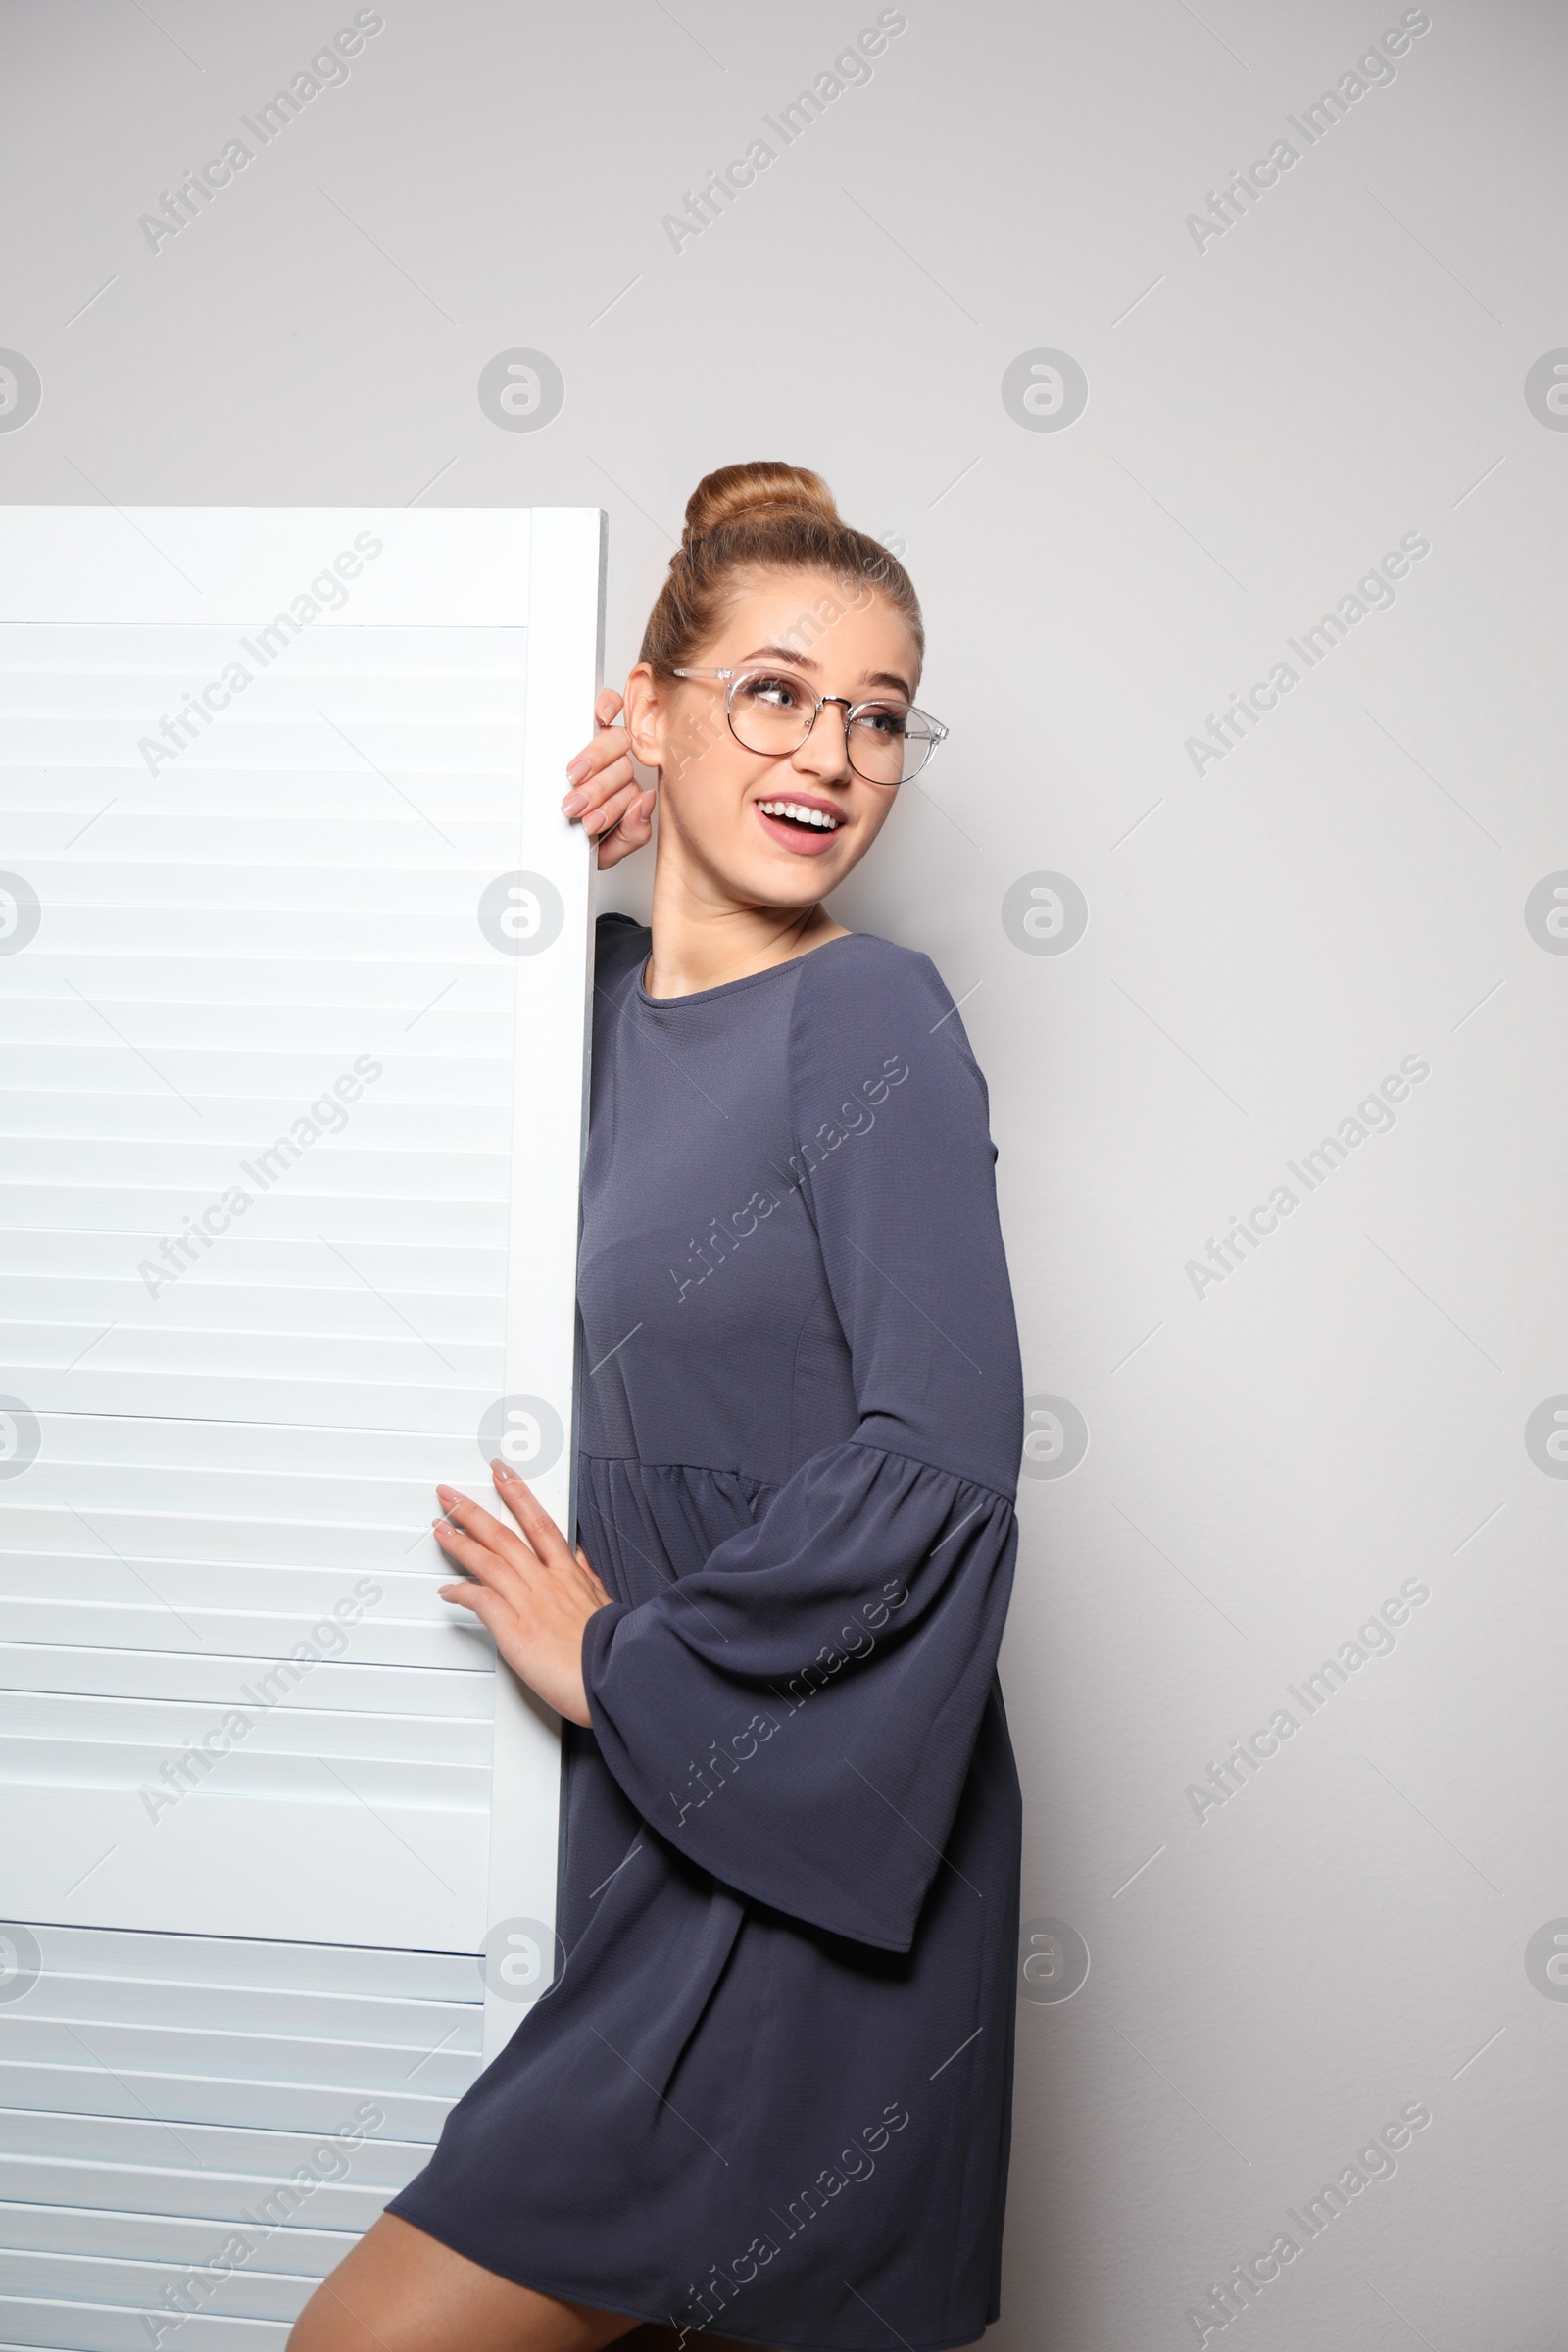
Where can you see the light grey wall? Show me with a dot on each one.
(1343, 1416)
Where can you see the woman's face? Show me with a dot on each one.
(724, 809)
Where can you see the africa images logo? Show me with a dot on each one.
(850, 70)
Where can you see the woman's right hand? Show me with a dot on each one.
(614, 809)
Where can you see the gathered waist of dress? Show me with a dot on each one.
(646, 1524)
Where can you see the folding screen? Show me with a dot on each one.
(294, 974)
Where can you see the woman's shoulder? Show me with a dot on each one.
(864, 971)
(865, 990)
(615, 926)
(620, 944)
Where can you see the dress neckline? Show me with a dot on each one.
(703, 995)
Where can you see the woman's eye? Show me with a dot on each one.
(782, 693)
(883, 719)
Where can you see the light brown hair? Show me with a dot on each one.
(764, 516)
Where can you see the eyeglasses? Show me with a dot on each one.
(886, 740)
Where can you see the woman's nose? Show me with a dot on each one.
(827, 743)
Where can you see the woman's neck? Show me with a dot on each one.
(701, 939)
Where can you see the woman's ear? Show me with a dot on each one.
(643, 716)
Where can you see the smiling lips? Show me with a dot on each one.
(801, 822)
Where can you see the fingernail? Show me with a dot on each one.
(504, 1470)
(573, 802)
(577, 768)
(443, 1527)
(446, 1496)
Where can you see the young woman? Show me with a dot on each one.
(767, 2100)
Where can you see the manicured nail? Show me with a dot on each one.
(448, 1495)
(577, 768)
(443, 1527)
(574, 804)
(504, 1470)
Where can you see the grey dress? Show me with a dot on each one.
(770, 2094)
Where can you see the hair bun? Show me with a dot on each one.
(748, 520)
(767, 486)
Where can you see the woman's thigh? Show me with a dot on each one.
(402, 2291)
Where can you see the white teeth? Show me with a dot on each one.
(806, 816)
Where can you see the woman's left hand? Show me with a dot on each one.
(533, 1591)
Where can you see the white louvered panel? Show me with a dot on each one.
(235, 2166)
(90, 1303)
(342, 1848)
(173, 1028)
(99, 2176)
(178, 2241)
(349, 897)
(101, 2082)
(111, 2328)
(108, 1602)
(78, 1444)
(212, 2169)
(292, 1473)
(383, 993)
(286, 1501)
(64, 2071)
(407, 2032)
(456, 1705)
(144, 1537)
(342, 1174)
(94, 2280)
(420, 1796)
(270, 736)
(304, 1217)
(247, 949)
(393, 1359)
(164, 1727)
(136, 1121)
(344, 1405)
(277, 1839)
(242, 2051)
(197, 1965)
(332, 2020)
(235, 2052)
(111, 659)
(463, 1268)
(463, 1085)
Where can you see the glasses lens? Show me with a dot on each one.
(879, 740)
(889, 743)
(771, 712)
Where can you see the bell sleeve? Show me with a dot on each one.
(805, 1731)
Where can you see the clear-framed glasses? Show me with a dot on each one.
(887, 740)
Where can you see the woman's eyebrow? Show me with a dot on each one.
(795, 661)
(780, 652)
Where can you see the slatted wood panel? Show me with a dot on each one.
(264, 1795)
(162, 2092)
